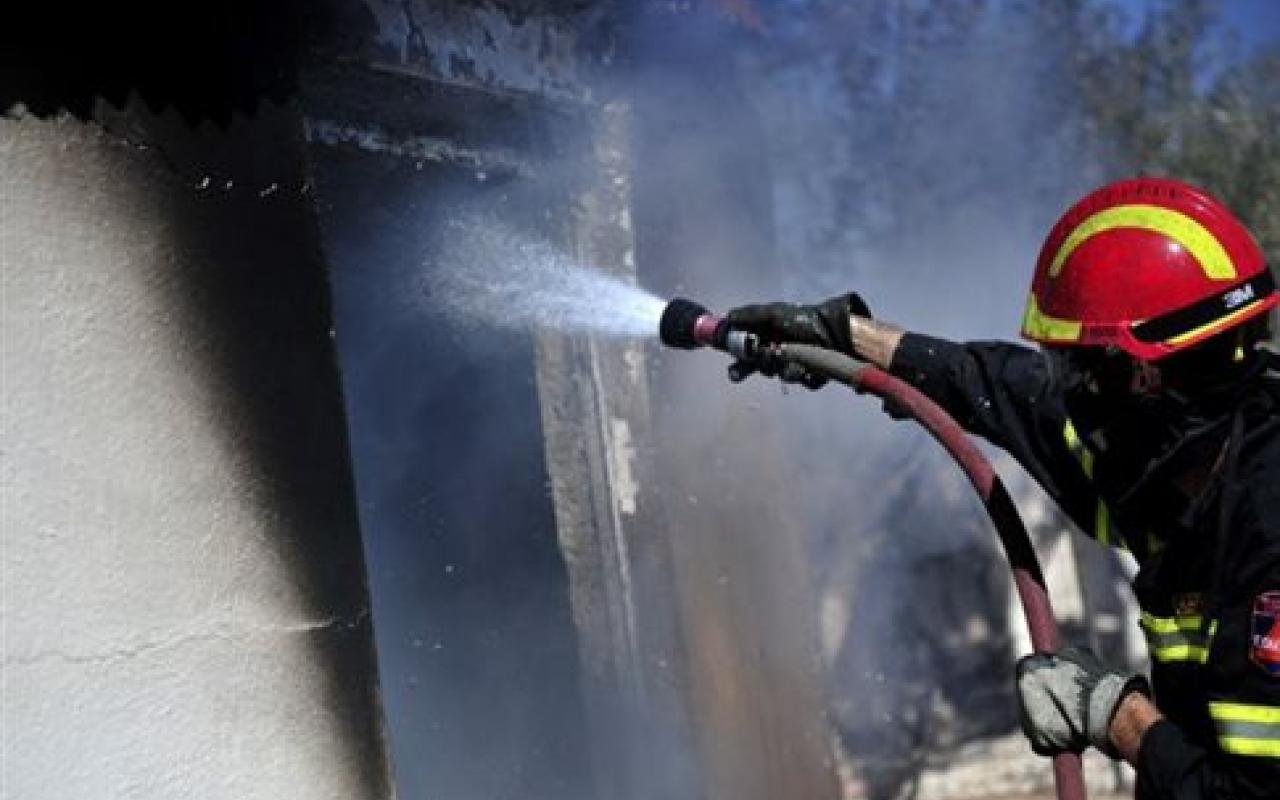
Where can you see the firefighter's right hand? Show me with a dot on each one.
(824, 324)
(1066, 700)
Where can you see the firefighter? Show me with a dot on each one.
(1151, 414)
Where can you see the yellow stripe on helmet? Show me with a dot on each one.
(1039, 326)
(1221, 323)
(1184, 230)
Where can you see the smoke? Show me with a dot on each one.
(917, 156)
(914, 157)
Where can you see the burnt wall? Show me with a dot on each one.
(418, 120)
(476, 641)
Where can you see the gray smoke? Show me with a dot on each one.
(913, 152)
(919, 166)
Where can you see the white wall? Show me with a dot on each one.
(184, 608)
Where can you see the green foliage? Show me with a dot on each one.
(926, 106)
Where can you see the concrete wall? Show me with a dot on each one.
(184, 602)
(609, 519)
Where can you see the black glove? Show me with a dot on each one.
(825, 324)
(1066, 700)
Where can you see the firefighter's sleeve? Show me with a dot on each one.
(1242, 698)
(1002, 392)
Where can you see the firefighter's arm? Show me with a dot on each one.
(1172, 767)
(874, 341)
(996, 390)
(990, 388)
(1134, 717)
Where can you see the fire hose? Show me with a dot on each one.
(687, 325)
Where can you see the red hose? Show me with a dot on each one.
(1027, 577)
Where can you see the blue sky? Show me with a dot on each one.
(1254, 21)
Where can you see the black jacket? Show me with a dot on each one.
(1209, 582)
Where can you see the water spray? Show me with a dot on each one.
(686, 325)
(485, 273)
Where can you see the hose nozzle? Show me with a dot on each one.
(687, 325)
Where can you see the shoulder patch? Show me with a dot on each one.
(1264, 633)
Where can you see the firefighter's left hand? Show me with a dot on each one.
(1066, 700)
(824, 324)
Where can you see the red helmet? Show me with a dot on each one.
(1149, 265)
